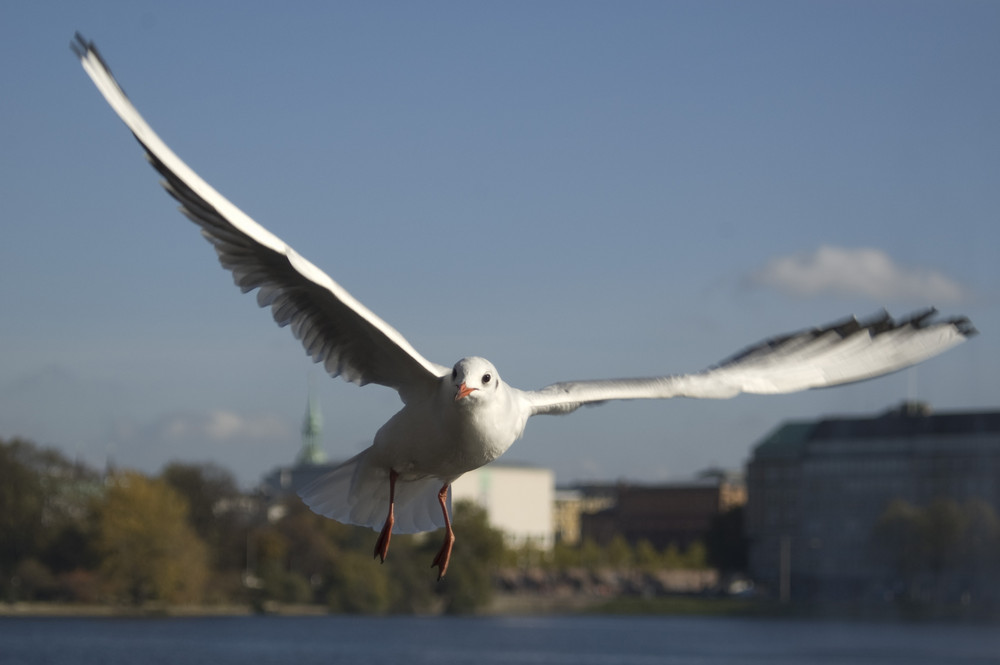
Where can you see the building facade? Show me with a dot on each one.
(571, 504)
(517, 498)
(678, 514)
(818, 490)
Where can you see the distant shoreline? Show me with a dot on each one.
(68, 610)
(502, 604)
(525, 604)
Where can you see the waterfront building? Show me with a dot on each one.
(676, 513)
(819, 491)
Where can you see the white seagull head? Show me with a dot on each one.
(474, 379)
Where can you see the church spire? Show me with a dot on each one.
(312, 432)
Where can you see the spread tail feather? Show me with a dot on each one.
(357, 492)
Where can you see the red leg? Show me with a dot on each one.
(444, 554)
(382, 544)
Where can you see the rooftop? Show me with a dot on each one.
(906, 421)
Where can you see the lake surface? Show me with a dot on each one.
(483, 641)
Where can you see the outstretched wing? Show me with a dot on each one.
(843, 352)
(334, 328)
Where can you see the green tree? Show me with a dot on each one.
(981, 541)
(592, 555)
(313, 541)
(563, 556)
(646, 556)
(218, 513)
(44, 520)
(942, 526)
(922, 548)
(22, 503)
(696, 556)
(213, 500)
(673, 558)
(149, 552)
(898, 540)
(358, 586)
(618, 553)
(469, 582)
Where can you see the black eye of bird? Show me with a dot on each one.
(486, 378)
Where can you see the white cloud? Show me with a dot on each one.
(220, 426)
(864, 271)
(244, 443)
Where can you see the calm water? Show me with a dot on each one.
(482, 641)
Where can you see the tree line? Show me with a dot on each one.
(189, 535)
(944, 552)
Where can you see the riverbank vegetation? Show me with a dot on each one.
(190, 537)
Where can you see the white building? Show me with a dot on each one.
(518, 500)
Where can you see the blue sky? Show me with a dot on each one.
(570, 189)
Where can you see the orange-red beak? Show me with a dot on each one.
(463, 391)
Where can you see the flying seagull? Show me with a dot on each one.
(456, 419)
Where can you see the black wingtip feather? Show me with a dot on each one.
(82, 47)
(876, 325)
